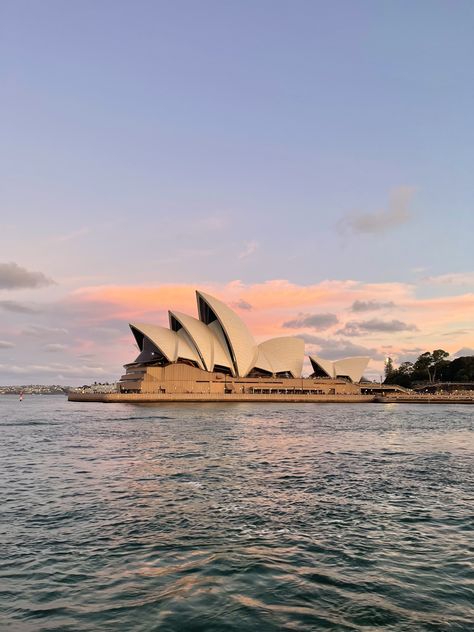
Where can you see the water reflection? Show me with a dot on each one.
(240, 517)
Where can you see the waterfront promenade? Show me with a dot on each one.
(148, 398)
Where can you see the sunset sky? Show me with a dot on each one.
(310, 163)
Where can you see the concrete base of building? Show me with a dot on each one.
(426, 399)
(152, 398)
(202, 398)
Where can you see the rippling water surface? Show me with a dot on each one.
(235, 517)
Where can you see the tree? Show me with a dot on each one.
(428, 364)
(388, 368)
(438, 362)
(406, 368)
(433, 365)
(422, 367)
(401, 376)
(460, 370)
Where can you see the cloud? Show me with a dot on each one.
(315, 321)
(369, 306)
(357, 328)
(465, 351)
(456, 278)
(110, 332)
(384, 220)
(335, 348)
(54, 347)
(14, 277)
(6, 345)
(57, 370)
(350, 329)
(250, 248)
(20, 308)
(241, 304)
(40, 330)
(457, 332)
(406, 355)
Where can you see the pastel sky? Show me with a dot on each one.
(309, 162)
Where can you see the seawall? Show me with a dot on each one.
(151, 398)
(137, 398)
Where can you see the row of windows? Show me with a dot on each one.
(286, 391)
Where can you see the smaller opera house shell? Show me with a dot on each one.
(219, 346)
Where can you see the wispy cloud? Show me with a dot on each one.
(54, 347)
(14, 277)
(250, 248)
(455, 278)
(41, 330)
(55, 370)
(314, 321)
(384, 220)
(4, 344)
(369, 306)
(241, 304)
(357, 328)
(335, 348)
(19, 308)
(458, 332)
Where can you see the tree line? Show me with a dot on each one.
(431, 366)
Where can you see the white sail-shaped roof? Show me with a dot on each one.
(285, 354)
(186, 349)
(350, 367)
(220, 355)
(164, 339)
(325, 365)
(208, 341)
(353, 367)
(262, 362)
(238, 339)
(199, 334)
(170, 344)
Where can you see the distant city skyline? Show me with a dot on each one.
(309, 163)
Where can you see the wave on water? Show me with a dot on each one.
(334, 517)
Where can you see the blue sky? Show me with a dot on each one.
(207, 142)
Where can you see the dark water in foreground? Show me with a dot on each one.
(238, 517)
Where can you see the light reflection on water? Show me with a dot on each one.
(237, 517)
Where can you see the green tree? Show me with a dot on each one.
(422, 367)
(460, 370)
(388, 370)
(439, 362)
(406, 368)
(429, 364)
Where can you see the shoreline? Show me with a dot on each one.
(151, 398)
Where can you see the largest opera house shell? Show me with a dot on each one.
(218, 341)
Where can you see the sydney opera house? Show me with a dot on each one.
(217, 354)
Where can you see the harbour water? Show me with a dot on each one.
(245, 517)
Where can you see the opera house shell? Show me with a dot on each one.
(199, 353)
(352, 368)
